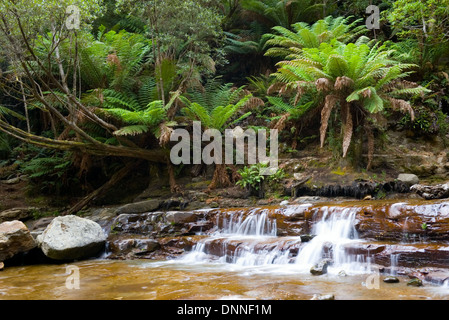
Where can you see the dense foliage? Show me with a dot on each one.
(114, 87)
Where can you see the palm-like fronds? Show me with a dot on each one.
(218, 116)
(282, 12)
(286, 42)
(359, 78)
(139, 121)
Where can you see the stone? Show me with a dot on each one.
(71, 238)
(323, 297)
(321, 267)
(439, 277)
(136, 223)
(415, 282)
(17, 214)
(391, 279)
(408, 178)
(14, 238)
(13, 180)
(306, 237)
(178, 217)
(342, 273)
(139, 207)
(439, 191)
(131, 246)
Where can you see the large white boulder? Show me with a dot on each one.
(71, 238)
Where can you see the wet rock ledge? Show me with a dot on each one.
(415, 230)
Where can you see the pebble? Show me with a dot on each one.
(391, 279)
(415, 282)
(323, 297)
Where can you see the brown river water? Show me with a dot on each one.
(103, 279)
(246, 257)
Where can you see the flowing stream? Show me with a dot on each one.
(243, 257)
(252, 241)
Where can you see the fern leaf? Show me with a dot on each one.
(132, 130)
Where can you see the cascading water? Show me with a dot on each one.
(333, 233)
(244, 239)
(249, 239)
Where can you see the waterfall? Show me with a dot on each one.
(333, 233)
(245, 239)
(254, 224)
(248, 238)
(394, 258)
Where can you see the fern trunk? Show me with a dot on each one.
(220, 177)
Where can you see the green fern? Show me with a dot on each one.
(215, 117)
(132, 130)
(139, 121)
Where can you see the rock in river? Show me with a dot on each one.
(391, 279)
(14, 238)
(71, 238)
(439, 191)
(321, 267)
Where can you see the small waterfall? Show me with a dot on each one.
(244, 239)
(248, 238)
(394, 258)
(254, 224)
(333, 232)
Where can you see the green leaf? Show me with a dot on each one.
(132, 130)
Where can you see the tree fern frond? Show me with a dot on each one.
(132, 130)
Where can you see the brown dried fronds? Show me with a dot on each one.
(342, 83)
(403, 106)
(323, 84)
(329, 103)
(253, 102)
(275, 87)
(114, 60)
(280, 124)
(348, 127)
(286, 89)
(366, 93)
(165, 133)
(300, 90)
(83, 161)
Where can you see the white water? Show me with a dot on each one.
(333, 232)
(250, 240)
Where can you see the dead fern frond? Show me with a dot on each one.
(280, 124)
(323, 84)
(403, 106)
(165, 133)
(348, 127)
(329, 103)
(342, 83)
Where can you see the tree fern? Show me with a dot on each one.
(362, 79)
(285, 41)
(215, 117)
(132, 130)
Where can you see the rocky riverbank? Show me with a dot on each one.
(414, 230)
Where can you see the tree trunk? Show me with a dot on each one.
(116, 177)
(220, 178)
(174, 187)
